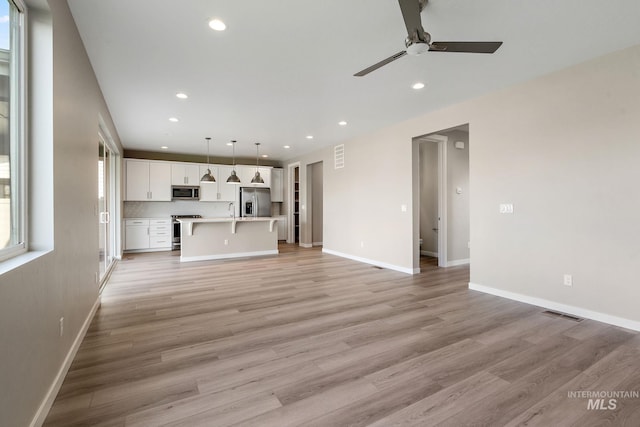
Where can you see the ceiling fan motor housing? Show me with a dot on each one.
(416, 48)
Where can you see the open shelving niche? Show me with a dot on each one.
(296, 204)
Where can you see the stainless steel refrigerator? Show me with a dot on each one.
(255, 201)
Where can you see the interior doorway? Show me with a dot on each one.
(433, 197)
(441, 196)
(315, 190)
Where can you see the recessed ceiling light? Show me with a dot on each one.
(265, 155)
(309, 136)
(229, 144)
(181, 95)
(287, 146)
(173, 119)
(342, 123)
(217, 25)
(164, 147)
(418, 85)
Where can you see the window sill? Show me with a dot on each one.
(18, 261)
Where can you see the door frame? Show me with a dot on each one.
(114, 230)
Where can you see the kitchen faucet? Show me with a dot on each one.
(233, 210)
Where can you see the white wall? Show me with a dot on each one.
(63, 224)
(562, 148)
(457, 204)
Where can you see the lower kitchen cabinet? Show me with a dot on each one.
(147, 234)
(282, 227)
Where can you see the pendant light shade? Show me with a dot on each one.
(257, 179)
(208, 177)
(233, 178)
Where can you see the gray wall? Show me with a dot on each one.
(60, 281)
(562, 148)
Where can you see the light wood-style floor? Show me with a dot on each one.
(306, 338)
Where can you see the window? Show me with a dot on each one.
(12, 134)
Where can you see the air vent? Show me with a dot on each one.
(563, 315)
(338, 156)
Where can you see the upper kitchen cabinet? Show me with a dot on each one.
(246, 174)
(277, 185)
(147, 180)
(218, 191)
(185, 174)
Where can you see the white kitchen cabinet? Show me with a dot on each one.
(136, 234)
(219, 191)
(246, 174)
(185, 174)
(147, 233)
(228, 192)
(148, 180)
(160, 234)
(277, 185)
(209, 190)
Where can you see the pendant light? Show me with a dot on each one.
(233, 178)
(207, 177)
(257, 179)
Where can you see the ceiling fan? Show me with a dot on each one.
(419, 41)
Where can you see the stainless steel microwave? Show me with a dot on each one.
(179, 192)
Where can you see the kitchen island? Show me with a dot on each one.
(220, 238)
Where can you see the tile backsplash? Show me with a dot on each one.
(166, 209)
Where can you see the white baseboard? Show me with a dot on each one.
(552, 305)
(49, 398)
(226, 256)
(373, 262)
(429, 253)
(458, 262)
(316, 244)
(305, 245)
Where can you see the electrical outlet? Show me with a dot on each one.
(226, 241)
(568, 280)
(61, 326)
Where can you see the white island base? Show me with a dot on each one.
(220, 238)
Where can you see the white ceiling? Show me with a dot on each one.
(284, 69)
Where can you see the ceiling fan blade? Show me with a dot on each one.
(411, 15)
(465, 47)
(380, 64)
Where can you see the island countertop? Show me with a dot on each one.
(189, 222)
(227, 237)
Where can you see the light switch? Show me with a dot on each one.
(403, 208)
(458, 190)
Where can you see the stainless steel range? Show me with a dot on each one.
(175, 229)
